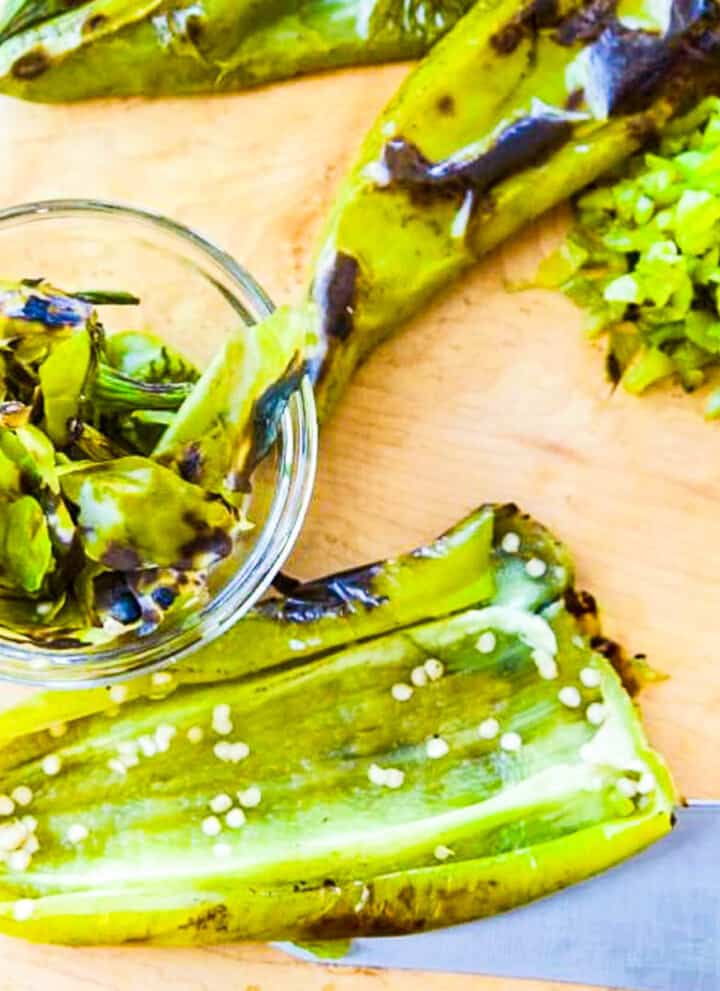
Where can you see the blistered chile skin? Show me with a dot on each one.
(516, 108)
(156, 47)
(440, 769)
(95, 431)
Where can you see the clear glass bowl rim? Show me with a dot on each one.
(91, 667)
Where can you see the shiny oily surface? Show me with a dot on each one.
(454, 408)
(387, 814)
(203, 305)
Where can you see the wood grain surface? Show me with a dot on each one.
(488, 396)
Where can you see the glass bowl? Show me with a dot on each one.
(192, 294)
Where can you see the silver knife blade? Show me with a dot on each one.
(650, 924)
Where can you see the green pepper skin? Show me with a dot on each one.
(158, 47)
(17, 15)
(229, 420)
(79, 486)
(508, 115)
(464, 567)
(326, 850)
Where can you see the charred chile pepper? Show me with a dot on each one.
(519, 106)
(441, 768)
(159, 47)
(82, 413)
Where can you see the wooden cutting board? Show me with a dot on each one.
(487, 397)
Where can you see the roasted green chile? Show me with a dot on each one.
(443, 764)
(54, 51)
(515, 109)
(95, 430)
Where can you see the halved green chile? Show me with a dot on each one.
(443, 772)
(466, 566)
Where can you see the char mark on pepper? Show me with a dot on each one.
(267, 414)
(520, 145)
(337, 293)
(31, 65)
(586, 24)
(190, 464)
(340, 595)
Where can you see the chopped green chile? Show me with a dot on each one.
(459, 748)
(642, 259)
(82, 413)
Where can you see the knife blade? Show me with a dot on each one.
(651, 924)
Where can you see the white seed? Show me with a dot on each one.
(296, 644)
(434, 668)
(12, 836)
(22, 795)
(130, 760)
(510, 742)
(442, 852)
(401, 692)
(222, 728)
(195, 734)
(596, 713)
(590, 677)
(117, 766)
(222, 850)
(646, 784)
(30, 823)
(32, 845)
(51, 765)
(147, 746)
(418, 676)
(394, 777)
(57, 730)
(7, 806)
(486, 643)
(118, 694)
(221, 803)
(488, 729)
(164, 736)
(127, 747)
(546, 664)
(221, 712)
(250, 798)
(211, 826)
(510, 543)
(376, 774)
(77, 833)
(235, 818)
(627, 787)
(161, 678)
(19, 860)
(570, 696)
(535, 567)
(23, 909)
(436, 747)
(222, 750)
(578, 641)
(239, 751)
